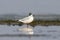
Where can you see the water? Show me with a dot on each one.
(46, 33)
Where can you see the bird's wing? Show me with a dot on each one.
(26, 18)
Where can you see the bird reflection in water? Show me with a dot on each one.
(27, 30)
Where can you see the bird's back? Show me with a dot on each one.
(27, 19)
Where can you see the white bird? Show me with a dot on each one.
(27, 20)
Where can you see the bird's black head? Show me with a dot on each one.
(30, 13)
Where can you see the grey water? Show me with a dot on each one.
(46, 33)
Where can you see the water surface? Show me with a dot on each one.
(46, 33)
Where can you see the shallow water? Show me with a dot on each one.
(46, 33)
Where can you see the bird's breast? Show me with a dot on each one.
(28, 20)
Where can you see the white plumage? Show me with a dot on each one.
(28, 19)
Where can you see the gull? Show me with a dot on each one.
(27, 20)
